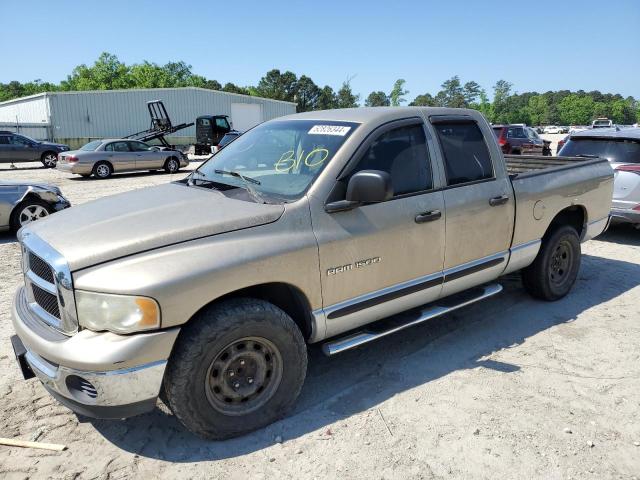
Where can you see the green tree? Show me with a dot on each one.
(484, 106)
(471, 92)
(377, 99)
(107, 73)
(345, 97)
(576, 110)
(537, 110)
(397, 93)
(452, 94)
(233, 88)
(327, 99)
(424, 100)
(212, 85)
(279, 86)
(307, 94)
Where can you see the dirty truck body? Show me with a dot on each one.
(209, 289)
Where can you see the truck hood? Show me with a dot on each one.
(145, 219)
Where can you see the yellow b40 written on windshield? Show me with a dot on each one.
(288, 161)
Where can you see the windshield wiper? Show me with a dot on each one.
(584, 155)
(247, 181)
(233, 173)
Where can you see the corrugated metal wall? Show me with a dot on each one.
(114, 113)
(33, 109)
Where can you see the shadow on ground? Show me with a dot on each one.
(119, 176)
(7, 237)
(360, 379)
(623, 234)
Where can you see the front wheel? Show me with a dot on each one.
(172, 165)
(236, 367)
(29, 211)
(555, 269)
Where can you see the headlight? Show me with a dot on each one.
(117, 313)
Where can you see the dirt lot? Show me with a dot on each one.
(511, 388)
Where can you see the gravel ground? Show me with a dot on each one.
(509, 388)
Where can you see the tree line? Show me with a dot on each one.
(561, 107)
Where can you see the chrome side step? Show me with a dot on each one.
(444, 305)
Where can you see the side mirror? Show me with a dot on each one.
(366, 186)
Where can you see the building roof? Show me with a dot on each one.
(133, 90)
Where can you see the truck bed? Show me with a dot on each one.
(520, 165)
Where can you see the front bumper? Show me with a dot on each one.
(623, 215)
(100, 375)
(61, 204)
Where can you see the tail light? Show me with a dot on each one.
(502, 142)
(71, 159)
(629, 168)
(636, 208)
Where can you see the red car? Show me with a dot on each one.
(520, 140)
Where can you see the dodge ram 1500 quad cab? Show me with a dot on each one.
(337, 226)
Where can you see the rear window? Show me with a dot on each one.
(91, 146)
(466, 156)
(619, 150)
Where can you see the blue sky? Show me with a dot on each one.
(538, 45)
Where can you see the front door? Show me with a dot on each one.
(146, 159)
(120, 156)
(479, 201)
(383, 258)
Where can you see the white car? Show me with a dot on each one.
(552, 129)
(622, 148)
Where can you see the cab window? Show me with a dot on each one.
(222, 123)
(403, 154)
(466, 157)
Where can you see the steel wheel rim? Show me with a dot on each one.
(50, 160)
(102, 171)
(561, 262)
(243, 376)
(31, 213)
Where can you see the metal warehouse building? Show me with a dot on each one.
(76, 117)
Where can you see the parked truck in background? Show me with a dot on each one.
(336, 226)
(210, 129)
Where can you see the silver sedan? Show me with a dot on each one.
(102, 158)
(24, 202)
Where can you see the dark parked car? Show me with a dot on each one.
(15, 147)
(519, 140)
(209, 131)
(226, 140)
(24, 202)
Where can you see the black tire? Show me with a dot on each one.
(102, 170)
(555, 269)
(49, 159)
(15, 220)
(197, 380)
(171, 165)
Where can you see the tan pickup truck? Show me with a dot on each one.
(337, 227)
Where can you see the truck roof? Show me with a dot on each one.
(632, 133)
(367, 114)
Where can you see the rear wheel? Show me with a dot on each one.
(49, 159)
(554, 271)
(102, 170)
(29, 211)
(172, 165)
(236, 367)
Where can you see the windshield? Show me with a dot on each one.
(621, 150)
(283, 157)
(91, 146)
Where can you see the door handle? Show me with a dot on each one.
(501, 200)
(429, 216)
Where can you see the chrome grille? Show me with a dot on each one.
(48, 284)
(46, 300)
(40, 268)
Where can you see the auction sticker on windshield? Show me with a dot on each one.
(329, 130)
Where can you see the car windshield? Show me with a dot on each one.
(91, 146)
(281, 158)
(619, 150)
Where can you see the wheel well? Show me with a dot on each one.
(574, 216)
(103, 161)
(284, 296)
(47, 152)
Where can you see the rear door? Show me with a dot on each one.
(383, 258)
(5, 149)
(120, 156)
(519, 140)
(479, 202)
